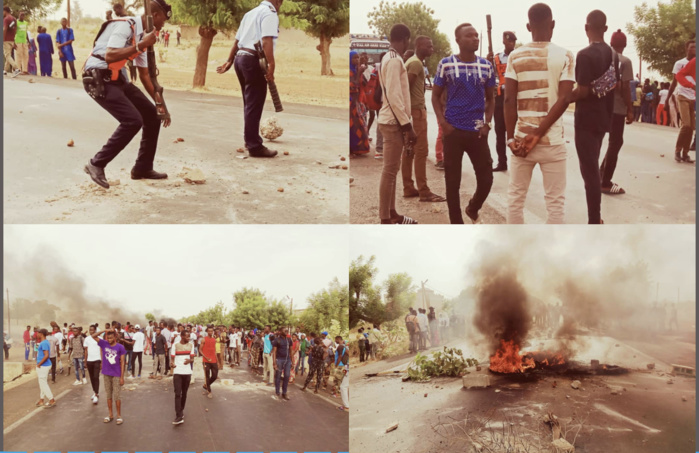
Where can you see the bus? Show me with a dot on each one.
(373, 45)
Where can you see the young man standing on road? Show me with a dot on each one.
(470, 84)
(509, 40)
(93, 355)
(268, 363)
(593, 112)
(623, 114)
(416, 79)
(43, 365)
(64, 42)
(121, 41)
(281, 358)
(113, 369)
(339, 361)
(139, 340)
(259, 25)
(540, 77)
(22, 44)
(55, 354)
(424, 323)
(27, 337)
(182, 356)
(209, 360)
(395, 123)
(9, 31)
(686, 98)
(76, 347)
(159, 349)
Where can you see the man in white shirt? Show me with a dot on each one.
(424, 328)
(139, 344)
(259, 25)
(685, 100)
(93, 355)
(182, 355)
(167, 333)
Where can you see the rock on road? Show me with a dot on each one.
(44, 180)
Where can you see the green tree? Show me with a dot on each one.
(33, 8)
(322, 19)
(361, 290)
(660, 33)
(76, 13)
(399, 295)
(278, 315)
(211, 16)
(419, 18)
(251, 309)
(324, 307)
(150, 317)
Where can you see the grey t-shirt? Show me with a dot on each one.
(117, 35)
(626, 70)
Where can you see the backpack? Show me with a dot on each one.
(410, 325)
(378, 91)
(609, 81)
(344, 355)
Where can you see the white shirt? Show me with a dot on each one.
(235, 338)
(663, 96)
(423, 321)
(59, 337)
(680, 90)
(167, 334)
(139, 342)
(118, 35)
(93, 350)
(180, 367)
(260, 22)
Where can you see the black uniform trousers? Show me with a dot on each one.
(125, 102)
(254, 87)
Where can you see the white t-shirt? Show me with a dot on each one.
(680, 90)
(94, 352)
(663, 96)
(139, 341)
(539, 67)
(59, 337)
(182, 352)
(167, 334)
(423, 321)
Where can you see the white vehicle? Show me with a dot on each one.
(372, 45)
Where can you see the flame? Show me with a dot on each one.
(508, 359)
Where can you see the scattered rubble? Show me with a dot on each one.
(281, 189)
(193, 175)
(575, 384)
(270, 129)
(286, 153)
(71, 143)
(393, 427)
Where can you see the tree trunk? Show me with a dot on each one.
(207, 37)
(324, 49)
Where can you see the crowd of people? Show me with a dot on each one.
(525, 91)
(116, 352)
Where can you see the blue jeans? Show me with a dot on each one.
(27, 348)
(79, 364)
(283, 365)
(300, 364)
(129, 357)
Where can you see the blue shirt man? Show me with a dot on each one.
(44, 350)
(65, 35)
(268, 343)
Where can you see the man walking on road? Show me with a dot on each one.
(317, 363)
(686, 98)
(509, 40)
(540, 77)
(43, 365)
(159, 350)
(416, 79)
(209, 360)
(395, 123)
(9, 31)
(182, 355)
(470, 84)
(259, 25)
(113, 369)
(64, 42)
(268, 363)
(281, 358)
(623, 114)
(121, 41)
(27, 337)
(76, 347)
(93, 356)
(597, 73)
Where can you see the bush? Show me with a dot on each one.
(449, 362)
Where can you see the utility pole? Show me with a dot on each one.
(657, 291)
(640, 67)
(424, 298)
(9, 320)
(68, 13)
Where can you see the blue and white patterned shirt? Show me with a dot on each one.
(465, 84)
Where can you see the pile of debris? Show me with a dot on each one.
(448, 362)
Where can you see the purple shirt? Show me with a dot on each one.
(111, 358)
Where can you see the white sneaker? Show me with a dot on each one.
(77, 383)
(84, 381)
(16, 73)
(95, 399)
(93, 396)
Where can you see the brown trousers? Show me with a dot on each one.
(688, 116)
(419, 158)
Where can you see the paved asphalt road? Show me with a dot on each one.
(659, 190)
(44, 180)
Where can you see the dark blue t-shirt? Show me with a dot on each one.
(465, 84)
(282, 345)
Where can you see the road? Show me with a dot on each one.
(638, 411)
(658, 190)
(44, 180)
(242, 416)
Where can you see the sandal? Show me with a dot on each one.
(108, 419)
(433, 198)
(614, 190)
(404, 220)
(413, 194)
(119, 421)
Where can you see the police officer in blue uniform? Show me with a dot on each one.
(260, 24)
(120, 41)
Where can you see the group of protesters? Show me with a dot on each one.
(117, 351)
(525, 91)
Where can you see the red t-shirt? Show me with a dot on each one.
(10, 35)
(208, 349)
(27, 336)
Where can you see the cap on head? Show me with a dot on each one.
(509, 36)
(167, 9)
(137, 326)
(618, 39)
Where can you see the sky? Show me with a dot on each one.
(509, 15)
(443, 255)
(94, 8)
(183, 269)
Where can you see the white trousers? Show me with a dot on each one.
(43, 374)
